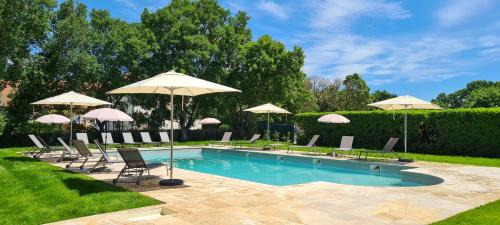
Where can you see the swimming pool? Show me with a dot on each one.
(283, 170)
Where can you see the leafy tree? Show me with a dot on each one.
(268, 73)
(23, 27)
(458, 98)
(356, 94)
(326, 92)
(483, 97)
(382, 95)
(196, 38)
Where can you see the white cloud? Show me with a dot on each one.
(274, 9)
(137, 7)
(340, 13)
(129, 4)
(458, 11)
(424, 58)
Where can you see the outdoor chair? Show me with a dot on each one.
(83, 137)
(226, 139)
(146, 139)
(164, 137)
(311, 144)
(388, 148)
(38, 145)
(345, 144)
(46, 148)
(252, 141)
(104, 157)
(107, 138)
(134, 164)
(84, 152)
(129, 139)
(67, 152)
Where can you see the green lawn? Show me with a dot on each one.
(34, 192)
(488, 214)
(476, 161)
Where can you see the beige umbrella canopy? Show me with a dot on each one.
(72, 99)
(404, 102)
(333, 118)
(209, 121)
(267, 108)
(173, 83)
(52, 118)
(107, 114)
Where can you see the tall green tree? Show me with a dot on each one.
(326, 92)
(24, 25)
(379, 95)
(268, 73)
(483, 97)
(196, 38)
(459, 98)
(356, 93)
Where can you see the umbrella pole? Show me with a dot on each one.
(268, 130)
(171, 133)
(171, 181)
(70, 123)
(406, 127)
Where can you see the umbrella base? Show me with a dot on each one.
(171, 182)
(405, 160)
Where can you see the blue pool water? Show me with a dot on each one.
(283, 170)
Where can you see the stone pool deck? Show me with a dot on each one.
(211, 199)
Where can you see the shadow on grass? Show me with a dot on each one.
(20, 159)
(87, 187)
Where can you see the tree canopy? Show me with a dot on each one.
(479, 93)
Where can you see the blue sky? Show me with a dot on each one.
(411, 47)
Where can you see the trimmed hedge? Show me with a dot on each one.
(465, 132)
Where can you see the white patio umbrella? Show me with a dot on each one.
(267, 108)
(333, 118)
(52, 118)
(72, 99)
(207, 121)
(404, 102)
(107, 115)
(173, 83)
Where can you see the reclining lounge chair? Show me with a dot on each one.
(83, 137)
(146, 139)
(129, 139)
(252, 141)
(226, 139)
(388, 148)
(67, 152)
(312, 143)
(82, 149)
(104, 157)
(134, 163)
(345, 144)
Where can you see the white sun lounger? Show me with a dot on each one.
(83, 137)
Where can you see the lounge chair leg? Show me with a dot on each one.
(61, 158)
(119, 175)
(83, 164)
(69, 164)
(140, 176)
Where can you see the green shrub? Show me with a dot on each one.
(466, 132)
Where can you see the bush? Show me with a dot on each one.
(466, 132)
